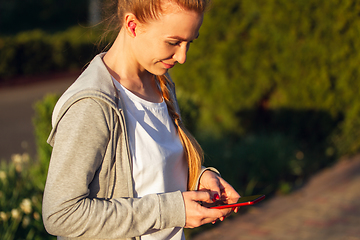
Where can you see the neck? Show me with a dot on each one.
(123, 66)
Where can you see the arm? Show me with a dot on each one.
(70, 207)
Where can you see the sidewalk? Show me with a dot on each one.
(327, 208)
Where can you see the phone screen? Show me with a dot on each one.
(243, 201)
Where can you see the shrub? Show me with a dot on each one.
(255, 59)
(35, 52)
(260, 163)
(42, 127)
(22, 182)
(20, 200)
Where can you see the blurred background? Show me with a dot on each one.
(270, 89)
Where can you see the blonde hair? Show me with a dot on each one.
(192, 149)
(145, 10)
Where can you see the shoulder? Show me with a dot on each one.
(94, 82)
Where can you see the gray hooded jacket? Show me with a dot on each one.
(89, 188)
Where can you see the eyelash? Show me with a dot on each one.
(174, 44)
(177, 43)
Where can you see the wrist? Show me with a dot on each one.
(204, 169)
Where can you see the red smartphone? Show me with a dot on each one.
(243, 201)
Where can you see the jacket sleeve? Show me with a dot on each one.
(81, 139)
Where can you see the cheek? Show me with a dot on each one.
(157, 53)
(143, 52)
(166, 52)
(152, 51)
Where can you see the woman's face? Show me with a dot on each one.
(160, 44)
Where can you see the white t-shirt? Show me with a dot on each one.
(157, 153)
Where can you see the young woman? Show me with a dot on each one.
(123, 165)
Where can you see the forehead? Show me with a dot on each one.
(176, 21)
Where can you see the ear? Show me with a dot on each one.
(131, 24)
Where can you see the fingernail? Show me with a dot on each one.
(216, 197)
(236, 210)
(213, 222)
(222, 218)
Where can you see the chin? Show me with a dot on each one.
(159, 72)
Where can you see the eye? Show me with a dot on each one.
(177, 43)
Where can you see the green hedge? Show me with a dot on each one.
(278, 66)
(275, 89)
(35, 51)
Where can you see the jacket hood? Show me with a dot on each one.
(96, 82)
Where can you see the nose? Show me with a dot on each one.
(180, 54)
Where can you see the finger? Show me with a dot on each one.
(229, 191)
(226, 212)
(215, 197)
(203, 196)
(214, 186)
(211, 219)
(208, 216)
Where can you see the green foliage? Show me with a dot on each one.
(261, 163)
(264, 58)
(42, 127)
(347, 137)
(20, 200)
(35, 51)
(22, 182)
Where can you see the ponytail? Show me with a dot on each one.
(193, 152)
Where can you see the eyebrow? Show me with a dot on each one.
(183, 39)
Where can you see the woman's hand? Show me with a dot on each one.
(197, 215)
(219, 189)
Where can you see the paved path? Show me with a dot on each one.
(16, 112)
(327, 208)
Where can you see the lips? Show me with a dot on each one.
(168, 66)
